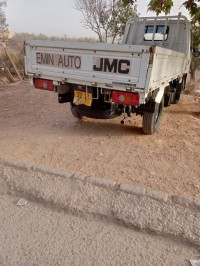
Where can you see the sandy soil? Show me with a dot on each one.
(35, 128)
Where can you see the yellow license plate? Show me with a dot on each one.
(81, 97)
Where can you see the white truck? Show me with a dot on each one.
(142, 75)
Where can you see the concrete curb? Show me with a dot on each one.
(142, 208)
(107, 183)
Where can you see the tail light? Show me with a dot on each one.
(44, 84)
(125, 98)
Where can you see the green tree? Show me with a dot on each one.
(158, 6)
(3, 24)
(193, 6)
(107, 18)
(195, 64)
(120, 17)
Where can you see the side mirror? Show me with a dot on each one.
(198, 50)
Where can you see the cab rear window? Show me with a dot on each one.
(159, 33)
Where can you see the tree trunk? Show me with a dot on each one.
(106, 36)
(100, 36)
(113, 39)
(192, 70)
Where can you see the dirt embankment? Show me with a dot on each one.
(35, 128)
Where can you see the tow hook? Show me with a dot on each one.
(127, 118)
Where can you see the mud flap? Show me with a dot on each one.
(160, 94)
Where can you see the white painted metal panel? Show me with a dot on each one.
(137, 56)
(167, 66)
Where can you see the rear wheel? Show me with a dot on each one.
(74, 111)
(179, 90)
(151, 121)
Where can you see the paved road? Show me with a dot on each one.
(35, 234)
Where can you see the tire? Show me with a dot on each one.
(179, 90)
(166, 100)
(74, 111)
(178, 94)
(151, 121)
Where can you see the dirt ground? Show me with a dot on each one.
(35, 128)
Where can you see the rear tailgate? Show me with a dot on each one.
(105, 65)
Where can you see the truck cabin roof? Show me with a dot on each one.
(168, 32)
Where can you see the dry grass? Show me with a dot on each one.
(190, 87)
(17, 58)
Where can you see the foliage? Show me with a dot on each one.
(17, 41)
(158, 6)
(3, 24)
(121, 14)
(17, 58)
(196, 35)
(196, 41)
(107, 18)
(194, 10)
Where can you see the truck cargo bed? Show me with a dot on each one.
(104, 64)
